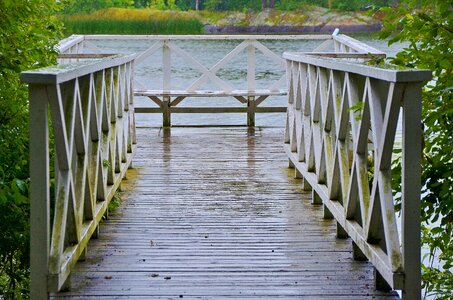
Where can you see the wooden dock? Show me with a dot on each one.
(215, 213)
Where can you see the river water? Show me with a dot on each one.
(207, 52)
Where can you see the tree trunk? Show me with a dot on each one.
(271, 4)
(263, 4)
(197, 3)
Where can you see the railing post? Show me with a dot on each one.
(166, 113)
(251, 84)
(251, 66)
(166, 67)
(251, 105)
(166, 84)
(411, 187)
(39, 192)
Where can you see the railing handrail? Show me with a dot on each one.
(328, 136)
(355, 44)
(69, 42)
(62, 73)
(75, 39)
(209, 37)
(341, 39)
(92, 112)
(390, 73)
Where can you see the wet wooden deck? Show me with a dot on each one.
(214, 213)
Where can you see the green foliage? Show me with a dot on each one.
(14, 237)
(357, 110)
(29, 33)
(142, 3)
(87, 6)
(427, 27)
(236, 5)
(346, 5)
(290, 5)
(164, 4)
(351, 5)
(185, 4)
(115, 202)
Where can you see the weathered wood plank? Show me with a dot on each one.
(215, 213)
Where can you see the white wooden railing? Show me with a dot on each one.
(252, 96)
(90, 99)
(342, 121)
(92, 121)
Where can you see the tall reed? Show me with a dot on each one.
(133, 21)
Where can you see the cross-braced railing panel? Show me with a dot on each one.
(341, 129)
(92, 120)
(250, 45)
(207, 80)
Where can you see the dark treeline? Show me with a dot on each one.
(86, 6)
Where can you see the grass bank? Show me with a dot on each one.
(133, 21)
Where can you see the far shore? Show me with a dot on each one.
(149, 21)
(284, 29)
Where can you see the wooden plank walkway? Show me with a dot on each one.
(214, 213)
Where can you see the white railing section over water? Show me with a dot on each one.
(341, 123)
(167, 98)
(92, 121)
(340, 136)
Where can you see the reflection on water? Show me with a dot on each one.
(209, 52)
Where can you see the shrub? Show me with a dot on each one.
(27, 39)
(427, 26)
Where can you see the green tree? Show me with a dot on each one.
(163, 4)
(267, 4)
(237, 5)
(427, 25)
(141, 3)
(87, 6)
(27, 40)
